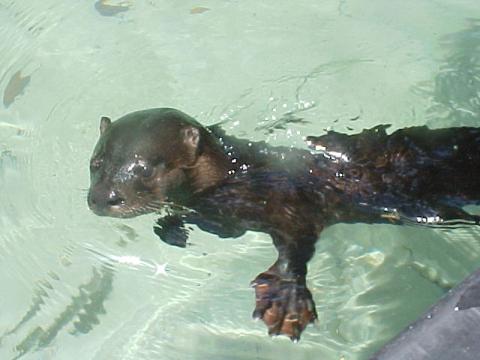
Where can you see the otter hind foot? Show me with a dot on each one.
(284, 304)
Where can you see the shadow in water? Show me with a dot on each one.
(82, 312)
(455, 90)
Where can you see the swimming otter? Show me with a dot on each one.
(162, 157)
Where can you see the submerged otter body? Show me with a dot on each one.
(162, 158)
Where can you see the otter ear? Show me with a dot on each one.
(105, 123)
(191, 137)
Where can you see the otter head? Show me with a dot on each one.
(142, 160)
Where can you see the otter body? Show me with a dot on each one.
(158, 158)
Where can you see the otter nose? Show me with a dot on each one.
(114, 198)
(100, 201)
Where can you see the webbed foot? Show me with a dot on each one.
(283, 303)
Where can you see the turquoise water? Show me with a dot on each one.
(75, 285)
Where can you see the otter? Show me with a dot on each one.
(162, 158)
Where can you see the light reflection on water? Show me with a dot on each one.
(72, 280)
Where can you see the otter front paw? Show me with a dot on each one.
(284, 304)
(171, 230)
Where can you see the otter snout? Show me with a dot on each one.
(105, 201)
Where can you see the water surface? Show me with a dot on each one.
(72, 281)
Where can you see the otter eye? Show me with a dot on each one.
(147, 171)
(143, 170)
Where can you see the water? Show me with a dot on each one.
(109, 288)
